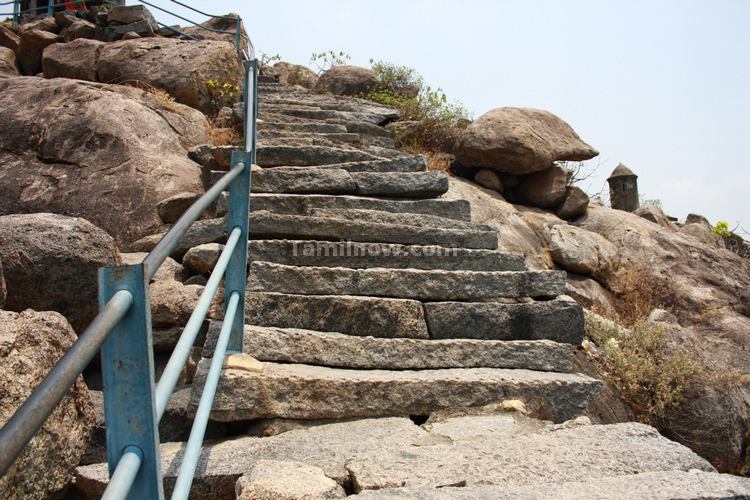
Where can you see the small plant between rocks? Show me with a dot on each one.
(324, 61)
(435, 121)
(650, 377)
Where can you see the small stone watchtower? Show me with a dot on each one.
(623, 189)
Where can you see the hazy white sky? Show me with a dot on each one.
(662, 86)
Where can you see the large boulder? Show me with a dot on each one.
(30, 345)
(76, 59)
(576, 202)
(51, 263)
(8, 62)
(348, 80)
(654, 214)
(9, 38)
(519, 141)
(79, 29)
(582, 252)
(31, 47)
(545, 189)
(182, 68)
(115, 155)
(291, 74)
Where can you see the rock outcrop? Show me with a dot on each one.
(8, 65)
(31, 47)
(30, 345)
(347, 80)
(181, 68)
(291, 74)
(111, 168)
(519, 141)
(51, 263)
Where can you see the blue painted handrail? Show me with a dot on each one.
(133, 402)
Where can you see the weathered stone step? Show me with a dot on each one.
(358, 316)
(378, 217)
(662, 485)
(324, 114)
(359, 255)
(338, 181)
(302, 204)
(267, 225)
(312, 127)
(561, 320)
(328, 101)
(404, 184)
(303, 156)
(478, 452)
(303, 180)
(313, 392)
(406, 163)
(372, 353)
(411, 163)
(340, 137)
(415, 284)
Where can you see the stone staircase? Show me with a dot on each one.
(371, 296)
(372, 300)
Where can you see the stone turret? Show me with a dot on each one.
(623, 189)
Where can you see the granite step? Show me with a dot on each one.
(339, 137)
(559, 320)
(359, 255)
(311, 180)
(284, 345)
(357, 316)
(315, 392)
(325, 114)
(294, 204)
(482, 454)
(417, 284)
(661, 485)
(379, 217)
(312, 127)
(221, 156)
(303, 156)
(267, 225)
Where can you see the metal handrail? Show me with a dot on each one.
(181, 351)
(214, 30)
(198, 430)
(169, 241)
(201, 12)
(18, 431)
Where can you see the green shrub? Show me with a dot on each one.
(650, 377)
(732, 241)
(439, 120)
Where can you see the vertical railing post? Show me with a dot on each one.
(239, 209)
(238, 33)
(50, 7)
(128, 375)
(16, 12)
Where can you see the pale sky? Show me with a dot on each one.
(662, 86)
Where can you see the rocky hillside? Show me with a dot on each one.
(410, 333)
